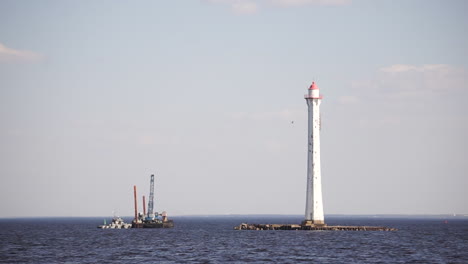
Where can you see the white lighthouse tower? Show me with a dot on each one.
(314, 205)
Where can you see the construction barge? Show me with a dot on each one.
(245, 226)
(150, 219)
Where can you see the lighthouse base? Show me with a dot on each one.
(313, 223)
(245, 226)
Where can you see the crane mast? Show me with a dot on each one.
(151, 199)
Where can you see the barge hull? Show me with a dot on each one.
(168, 224)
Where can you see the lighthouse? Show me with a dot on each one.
(314, 218)
(314, 205)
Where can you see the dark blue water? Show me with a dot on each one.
(213, 240)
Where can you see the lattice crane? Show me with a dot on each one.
(151, 199)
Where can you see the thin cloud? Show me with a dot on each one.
(13, 55)
(238, 7)
(248, 7)
(426, 79)
(411, 83)
(400, 68)
(285, 114)
(290, 3)
(348, 99)
(244, 8)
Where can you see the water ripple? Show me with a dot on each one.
(212, 240)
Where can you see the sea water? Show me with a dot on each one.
(212, 239)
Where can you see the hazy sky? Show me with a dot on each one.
(97, 95)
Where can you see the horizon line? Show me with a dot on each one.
(240, 215)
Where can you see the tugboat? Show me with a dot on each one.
(117, 223)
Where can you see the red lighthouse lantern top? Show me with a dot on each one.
(313, 86)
